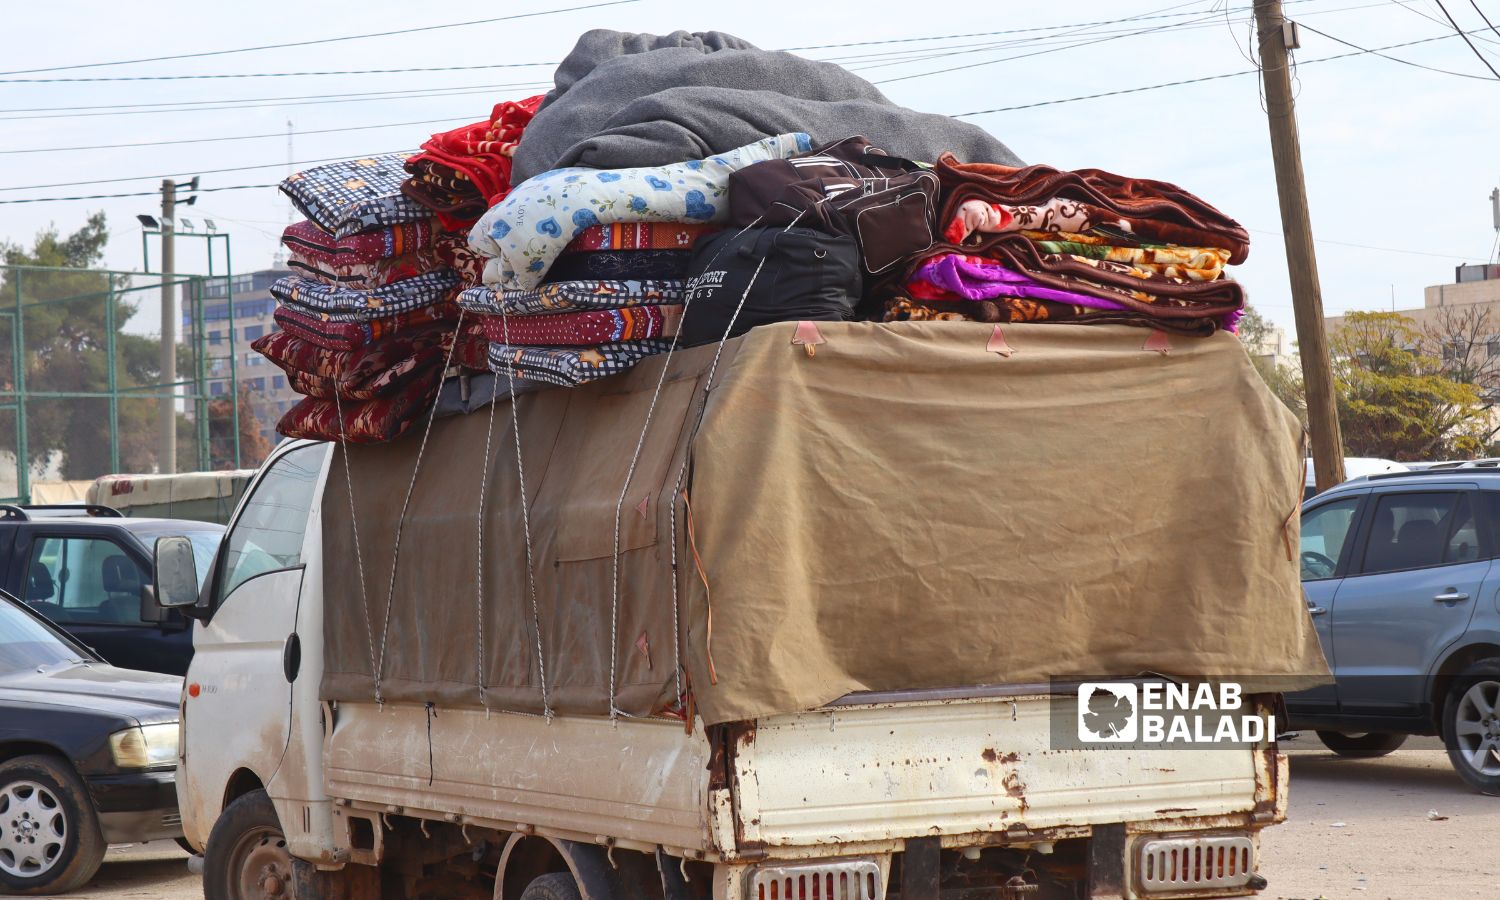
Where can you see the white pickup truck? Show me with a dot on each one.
(916, 794)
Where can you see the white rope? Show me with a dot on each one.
(359, 558)
(536, 613)
(484, 482)
(614, 605)
(682, 469)
(385, 628)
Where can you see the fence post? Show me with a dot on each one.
(18, 336)
(112, 362)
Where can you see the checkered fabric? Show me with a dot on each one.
(355, 195)
(338, 304)
(568, 296)
(311, 327)
(308, 240)
(569, 367)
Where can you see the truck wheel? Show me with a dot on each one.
(1361, 746)
(246, 857)
(1471, 726)
(50, 841)
(552, 886)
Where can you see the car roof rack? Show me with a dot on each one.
(12, 512)
(1483, 467)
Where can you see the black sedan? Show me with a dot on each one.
(88, 756)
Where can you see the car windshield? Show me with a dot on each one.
(26, 643)
(205, 544)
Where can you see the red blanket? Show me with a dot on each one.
(1154, 209)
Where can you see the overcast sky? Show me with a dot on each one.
(1399, 159)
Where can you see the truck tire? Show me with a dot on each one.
(50, 841)
(1362, 746)
(1471, 726)
(246, 857)
(552, 886)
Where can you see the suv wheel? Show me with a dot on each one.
(1361, 746)
(50, 841)
(1471, 726)
(246, 856)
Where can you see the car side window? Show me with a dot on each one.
(1413, 531)
(1324, 532)
(268, 534)
(1463, 538)
(84, 581)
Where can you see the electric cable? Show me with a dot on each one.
(1482, 58)
(332, 40)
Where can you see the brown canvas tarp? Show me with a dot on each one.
(903, 510)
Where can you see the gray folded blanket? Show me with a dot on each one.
(624, 100)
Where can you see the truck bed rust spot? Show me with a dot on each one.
(1016, 788)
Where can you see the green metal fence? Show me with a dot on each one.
(82, 382)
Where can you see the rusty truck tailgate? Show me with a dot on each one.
(875, 773)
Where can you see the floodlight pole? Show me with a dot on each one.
(166, 455)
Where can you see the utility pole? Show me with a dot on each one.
(167, 412)
(1276, 36)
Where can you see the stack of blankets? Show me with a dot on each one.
(368, 326)
(563, 238)
(585, 268)
(1037, 244)
(366, 318)
(612, 298)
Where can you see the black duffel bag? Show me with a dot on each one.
(887, 204)
(781, 274)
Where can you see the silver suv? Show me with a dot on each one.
(1402, 584)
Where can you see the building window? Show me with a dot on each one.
(278, 382)
(254, 331)
(255, 384)
(1493, 346)
(215, 337)
(216, 388)
(253, 359)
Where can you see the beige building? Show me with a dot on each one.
(1473, 297)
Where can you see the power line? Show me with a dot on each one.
(202, 190)
(88, 115)
(1098, 40)
(350, 37)
(138, 107)
(1397, 59)
(1167, 84)
(1475, 4)
(274, 74)
(1482, 58)
(235, 137)
(305, 162)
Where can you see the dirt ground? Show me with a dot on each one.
(1361, 829)
(1358, 829)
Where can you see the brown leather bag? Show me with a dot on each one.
(887, 204)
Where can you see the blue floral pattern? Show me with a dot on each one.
(523, 234)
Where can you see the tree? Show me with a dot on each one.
(1395, 399)
(1258, 334)
(254, 447)
(1465, 338)
(65, 319)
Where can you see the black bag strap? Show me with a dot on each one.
(884, 161)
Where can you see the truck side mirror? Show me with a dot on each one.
(176, 573)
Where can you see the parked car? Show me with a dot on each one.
(1354, 467)
(1400, 577)
(88, 756)
(84, 567)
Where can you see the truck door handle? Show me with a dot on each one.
(1451, 595)
(1317, 610)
